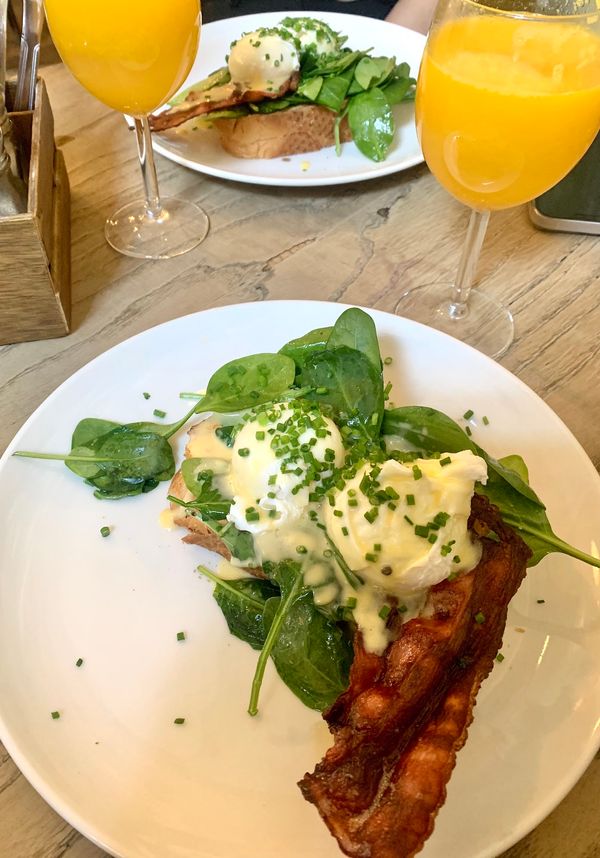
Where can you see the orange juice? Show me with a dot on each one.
(506, 106)
(131, 54)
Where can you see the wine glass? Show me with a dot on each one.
(133, 56)
(508, 100)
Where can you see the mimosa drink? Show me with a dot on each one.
(506, 107)
(131, 54)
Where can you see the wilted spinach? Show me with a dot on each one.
(431, 431)
(243, 603)
(309, 650)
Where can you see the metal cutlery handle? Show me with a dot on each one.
(33, 22)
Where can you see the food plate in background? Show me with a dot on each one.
(223, 785)
(200, 150)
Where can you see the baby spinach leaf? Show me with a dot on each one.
(90, 428)
(311, 654)
(346, 380)
(243, 602)
(530, 521)
(372, 123)
(373, 71)
(333, 91)
(309, 650)
(356, 330)
(240, 544)
(311, 88)
(397, 90)
(247, 382)
(432, 431)
(289, 577)
(300, 348)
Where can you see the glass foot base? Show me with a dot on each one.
(487, 325)
(179, 227)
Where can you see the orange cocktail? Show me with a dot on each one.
(131, 54)
(507, 106)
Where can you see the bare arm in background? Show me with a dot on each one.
(414, 14)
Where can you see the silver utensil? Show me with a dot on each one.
(33, 22)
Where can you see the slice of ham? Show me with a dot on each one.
(218, 98)
(405, 715)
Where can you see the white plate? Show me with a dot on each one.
(224, 785)
(201, 150)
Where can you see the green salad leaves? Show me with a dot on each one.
(338, 368)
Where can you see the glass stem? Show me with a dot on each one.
(478, 222)
(146, 156)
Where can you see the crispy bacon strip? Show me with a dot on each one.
(405, 715)
(195, 105)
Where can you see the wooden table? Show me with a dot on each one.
(356, 244)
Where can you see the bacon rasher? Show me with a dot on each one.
(405, 715)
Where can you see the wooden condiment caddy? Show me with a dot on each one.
(35, 247)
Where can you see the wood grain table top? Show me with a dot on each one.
(360, 244)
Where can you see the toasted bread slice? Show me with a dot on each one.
(198, 532)
(304, 128)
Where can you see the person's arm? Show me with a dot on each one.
(414, 14)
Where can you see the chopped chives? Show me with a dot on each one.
(541, 601)
(402, 609)
(410, 500)
(345, 531)
(272, 479)
(105, 531)
(179, 721)
(79, 662)
(387, 361)
(146, 395)
(377, 546)
(244, 452)
(468, 414)
(445, 461)
(392, 493)
(499, 657)
(392, 506)
(372, 514)
(301, 549)
(321, 391)
(421, 530)
(338, 513)
(352, 502)
(55, 715)
(456, 559)
(468, 431)
(180, 636)
(158, 413)
(351, 603)
(485, 420)
(479, 617)
(409, 520)
(432, 538)
(385, 612)
(417, 473)
(370, 558)
(260, 435)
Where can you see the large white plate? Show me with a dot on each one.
(201, 150)
(223, 785)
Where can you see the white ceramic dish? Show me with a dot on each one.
(223, 785)
(201, 150)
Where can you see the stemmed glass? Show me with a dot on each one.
(508, 100)
(133, 56)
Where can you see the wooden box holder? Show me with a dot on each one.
(35, 247)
